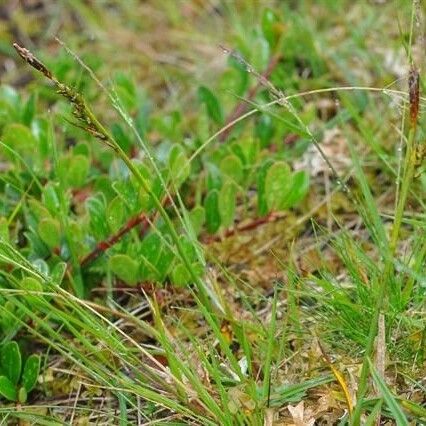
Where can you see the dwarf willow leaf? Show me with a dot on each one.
(115, 213)
(32, 285)
(227, 203)
(11, 362)
(180, 275)
(20, 139)
(30, 373)
(78, 170)
(178, 165)
(197, 216)
(270, 22)
(125, 268)
(49, 231)
(211, 205)
(262, 206)
(212, 104)
(232, 167)
(7, 389)
(278, 182)
(299, 188)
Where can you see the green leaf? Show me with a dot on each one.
(31, 372)
(214, 110)
(270, 26)
(22, 395)
(278, 182)
(7, 319)
(33, 285)
(265, 130)
(78, 169)
(125, 268)
(299, 188)
(126, 91)
(227, 203)
(178, 165)
(232, 167)
(7, 389)
(180, 275)
(115, 213)
(262, 206)
(11, 362)
(197, 216)
(50, 198)
(211, 205)
(97, 211)
(4, 229)
(389, 399)
(58, 272)
(29, 110)
(49, 231)
(20, 139)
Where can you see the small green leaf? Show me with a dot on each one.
(262, 206)
(115, 213)
(11, 362)
(232, 167)
(299, 188)
(265, 130)
(4, 229)
(211, 205)
(126, 91)
(50, 198)
(19, 138)
(22, 395)
(197, 216)
(7, 389)
(214, 109)
(7, 319)
(270, 26)
(58, 272)
(31, 372)
(78, 169)
(278, 182)
(49, 231)
(178, 165)
(125, 268)
(227, 203)
(29, 110)
(180, 275)
(32, 285)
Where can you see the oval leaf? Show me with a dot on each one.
(262, 206)
(270, 26)
(227, 203)
(7, 389)
(211, 205)
(115, 213)
(299, 188)
(232, 167)
(78, 169)
(32, 285)
(214, 109)
(277, 185)
(125, 268)
(50, 232)
(31, 372)
(178, 165)
(11, 362)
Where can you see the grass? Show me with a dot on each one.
(311, 313)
